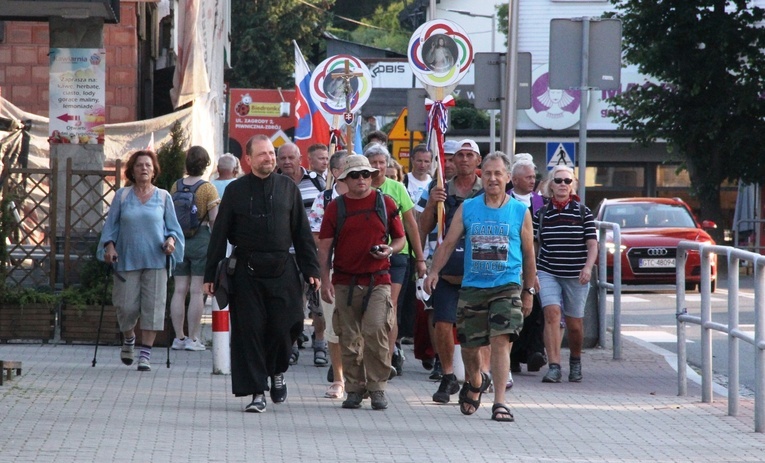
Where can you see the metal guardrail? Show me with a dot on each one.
(604, 285)
(734, 258)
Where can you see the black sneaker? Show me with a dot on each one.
(353, 400)
(575, 372)
(379, 402)
(436, 374)
(536, 361)
(397, 361)
(258, 404)
(448, 386)
(278, 389)
(331, 375)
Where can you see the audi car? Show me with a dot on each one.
(650, 230)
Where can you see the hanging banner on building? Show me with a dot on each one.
(259, 112)
(77, 95)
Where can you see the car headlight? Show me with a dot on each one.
(611, 248)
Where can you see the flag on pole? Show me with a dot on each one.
(150, 146)
(309, 122)
(358, 145)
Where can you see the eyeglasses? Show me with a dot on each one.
(356, 175)
(567, 181)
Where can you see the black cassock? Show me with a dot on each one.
(263, 218)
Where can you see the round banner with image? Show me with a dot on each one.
(330, 84)
(440, 53)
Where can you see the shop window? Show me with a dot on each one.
(622, 177)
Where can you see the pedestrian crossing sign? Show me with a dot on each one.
(560, 153)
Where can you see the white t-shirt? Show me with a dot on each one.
(525, 199)
(415, 187)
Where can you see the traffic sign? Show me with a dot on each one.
(560, 153)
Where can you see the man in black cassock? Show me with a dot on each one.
(262, 215)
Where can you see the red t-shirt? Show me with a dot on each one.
(361, 230)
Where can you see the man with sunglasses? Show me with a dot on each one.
(359, 253)
(262, 215)
(464, 185)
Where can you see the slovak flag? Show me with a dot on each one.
(309, 122)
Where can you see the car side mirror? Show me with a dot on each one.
(708, 224)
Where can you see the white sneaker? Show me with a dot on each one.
(179, 344)
(194, 345)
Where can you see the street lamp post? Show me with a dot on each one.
(492, 112)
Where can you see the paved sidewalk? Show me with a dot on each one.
(62, 409)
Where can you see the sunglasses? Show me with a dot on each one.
(567, 181)
(356, 175)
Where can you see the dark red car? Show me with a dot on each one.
(650, 230)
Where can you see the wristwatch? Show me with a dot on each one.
(531, 290)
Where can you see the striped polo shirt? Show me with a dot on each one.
(564, 248)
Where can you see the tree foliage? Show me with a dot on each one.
(261, 39)
(707, 56)
(391, 36)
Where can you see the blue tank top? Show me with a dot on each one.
(493, 254)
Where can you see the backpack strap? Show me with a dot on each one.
(406, 180)
(317, 180)
(542, 213)
(340, 201)
(382, 211)
(327, 196)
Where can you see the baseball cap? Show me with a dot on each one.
(356, 163)
(473, 146)
(451, 147)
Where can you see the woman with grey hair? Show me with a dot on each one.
(378, 156)
(565, 232)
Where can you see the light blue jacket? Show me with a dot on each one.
(139, 231)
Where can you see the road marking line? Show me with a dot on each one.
(610, 298)
(653, 336)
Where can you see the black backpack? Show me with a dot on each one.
(184, 200)
(380, 209)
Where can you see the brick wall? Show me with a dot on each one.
(24, 66)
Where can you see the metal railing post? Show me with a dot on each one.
(706, 332)
(602, 290)
(680, 310)
(759, 340)
(733, 343)
(617, 293)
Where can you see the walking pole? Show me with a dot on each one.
(167, 312)
(103, 306)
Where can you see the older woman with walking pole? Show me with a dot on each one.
(141, 230)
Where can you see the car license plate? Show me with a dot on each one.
(656, 263)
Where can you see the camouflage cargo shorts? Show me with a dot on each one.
(486, 312)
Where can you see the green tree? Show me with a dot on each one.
(261, 39)
(707, 56)
(502, 12)
(390, 35)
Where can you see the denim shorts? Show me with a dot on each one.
(399, 267)
(444, 301)
(567, 293)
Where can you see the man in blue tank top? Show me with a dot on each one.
(499, 250)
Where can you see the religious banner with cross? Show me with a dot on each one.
(440, 54)
(340, 85)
